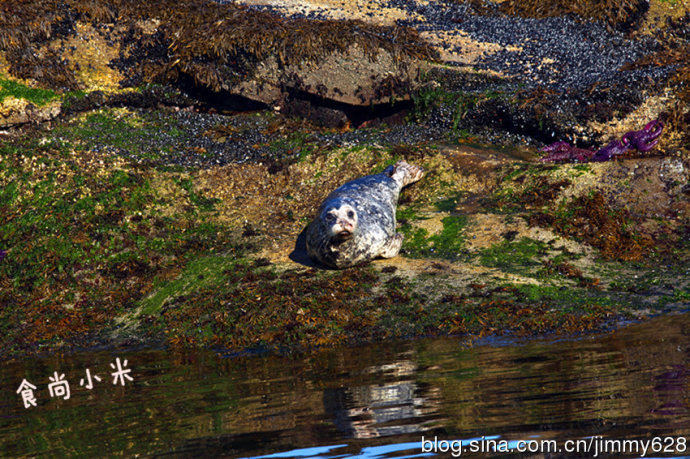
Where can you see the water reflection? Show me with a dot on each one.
(375, 401)
(378, 410)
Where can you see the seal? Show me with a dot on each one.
(356, 222)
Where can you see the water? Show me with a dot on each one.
(375, 401)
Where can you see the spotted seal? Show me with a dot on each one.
(356, 222)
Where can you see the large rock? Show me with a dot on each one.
(352, 78)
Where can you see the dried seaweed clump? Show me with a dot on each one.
(97, 11)
(24, 23)
(216, 43)
(591, 218)
(679, 113)
(676, 35)
(618, 14)
(166, 40)
(677, 117)
(46, 66)
(24, 26)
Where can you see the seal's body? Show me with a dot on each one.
(356, 222)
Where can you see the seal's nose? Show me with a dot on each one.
(346, 225)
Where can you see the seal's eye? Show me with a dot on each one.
(330, 217)
(351, 214)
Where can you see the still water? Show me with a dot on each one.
(375, 401)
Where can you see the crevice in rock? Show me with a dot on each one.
(330, 113)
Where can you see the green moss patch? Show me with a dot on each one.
(459, 103)
(447, 244)
(296, 146)
(199, 274)
(521, 257)
(37, 96)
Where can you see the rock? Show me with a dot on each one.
(14, 112)
(352, 78)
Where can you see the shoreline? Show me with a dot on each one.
(136, 202)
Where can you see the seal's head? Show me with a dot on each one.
(340, 220)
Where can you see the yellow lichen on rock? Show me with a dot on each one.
(14, 111)
(88, 54)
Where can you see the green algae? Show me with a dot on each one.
(427, 99)
(449, 204)
(448, 244)
(299, 145)
(201, 202)
(83, 241)
(520, 257)
(12, 88)
(202, 273)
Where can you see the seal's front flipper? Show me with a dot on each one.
(392, 246)
(405, 173)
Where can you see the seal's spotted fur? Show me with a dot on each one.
(356, 222)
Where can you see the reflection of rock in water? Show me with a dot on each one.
(379, 410)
